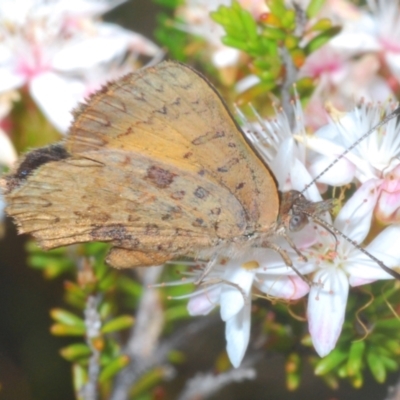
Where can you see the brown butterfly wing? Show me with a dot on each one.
(155, 164)
(114, 195)
(171, 113)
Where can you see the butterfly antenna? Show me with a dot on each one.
(335, 232)
(393, 114)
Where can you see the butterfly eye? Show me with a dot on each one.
(297, 222)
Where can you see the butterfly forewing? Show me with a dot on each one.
(171, 113)
(155, 164)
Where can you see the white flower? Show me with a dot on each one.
(51, 46)
(8, 155)
(377, 32)
(340, 264)
(340, 80)
(230, 285)
(376, 157)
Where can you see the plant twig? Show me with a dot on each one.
(205, 385)
(93, 325)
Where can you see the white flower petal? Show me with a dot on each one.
(300, 178)
(384, 247)
(57, 97)
(233, 299)
(237, 335)
(339, 174)
(281, 165)
(284, 287)
(326, 308)
(88, 53)
(354, 219)
(8, 155)
(204, 302)
(10, 80)
(225, 57)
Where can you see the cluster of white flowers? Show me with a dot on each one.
(360, 65)
(333, 264)
(60, 52)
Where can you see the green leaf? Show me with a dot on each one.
(355, 360)
(273, 33)
(249, 25)
(321, 39)
(387, 324)
(239, 25)
(66, 317)
(148, 380)
(75, 351)
(129, 286)
(277, 7)
(79, 378)
(390, 364)
(108, 281)
(176, 313)
(171, 38)
(313, 7)
(376, 366)
(321, 25)
(331, 361)
(106, 308)
(232, 42)
(288, 20)
(113, 368)
(67, 330)
(117, 324)
(170, 3)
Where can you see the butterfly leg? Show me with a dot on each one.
(207, 269)
(293, 246)
(287, 259)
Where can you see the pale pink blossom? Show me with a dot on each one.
(341, 80)
(376, 31)
(375, 158)
(52, 46)
(230, 284)
(340, 264)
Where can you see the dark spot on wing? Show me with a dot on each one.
(152, 230)
(110, 232)
(33, 161)
(178, 195)
(132, 218)
(160, 177)
(228, 165)
(215, 211)
(201, 193)
(162, 110)
(207, 137)
(198, 222)
(240, 185)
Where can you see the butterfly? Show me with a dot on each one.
(155, 164)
